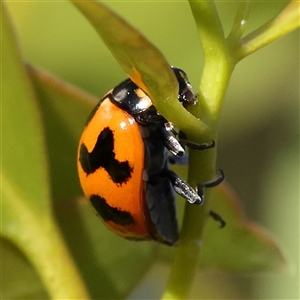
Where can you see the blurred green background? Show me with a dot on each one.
(258, 144)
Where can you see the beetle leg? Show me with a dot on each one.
(183, 189)
(171, 143)
(210, 184)
(217, 218)
(185, 142)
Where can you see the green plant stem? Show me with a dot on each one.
(216, 74)
(186, 260)
(217, 70)
(286, 21)
(218, 65)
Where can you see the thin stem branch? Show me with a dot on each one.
(239, 24)
(286, 21)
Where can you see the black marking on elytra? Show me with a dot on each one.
(109, 213)
(103, 155)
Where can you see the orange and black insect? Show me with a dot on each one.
(123, 163)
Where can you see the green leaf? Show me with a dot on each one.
(142, 61)
(26, 203)
(241, 245)
(24, 167)
(107, 273)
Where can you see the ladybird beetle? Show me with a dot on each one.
(123, 163)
